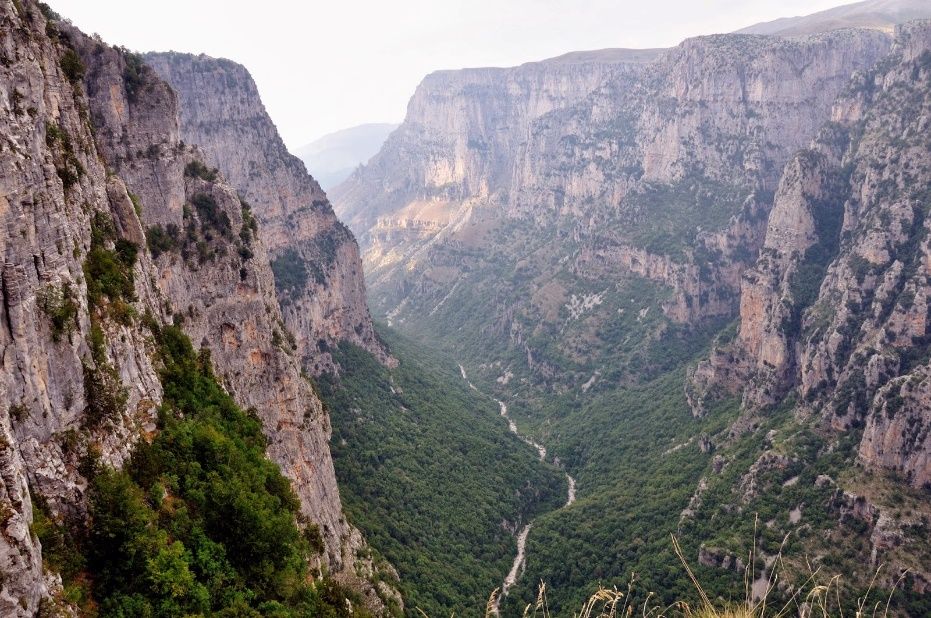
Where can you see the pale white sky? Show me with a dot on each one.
(323, 66)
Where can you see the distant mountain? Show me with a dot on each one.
(877, 14)
(334, 156)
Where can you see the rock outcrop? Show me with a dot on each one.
(315, 258)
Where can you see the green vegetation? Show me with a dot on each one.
(293, 269)
(134, 74)
(163, 239)
(108, 269)
(197, 169)
(199, 522)
(48, 12)
(633, 483)
(598, 379)
(211, 216)
(137, 204)
(72, 66)
(326, 247)
(104, 393)
(59, 546)
(58, 303)
(207, 232)
(665, 218)
(429, 472)
(62, 553)
(67, 165)
(290, 270)
(250, 226)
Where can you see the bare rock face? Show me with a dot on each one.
(91, 158)
(315, 258)
(611, 167)
(462, 132)
(897, 435)
(837, 304)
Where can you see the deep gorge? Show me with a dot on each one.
(569, 311)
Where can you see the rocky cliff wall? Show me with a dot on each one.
(836, 305)
(93, 169)
(54, 185)
(660, 166)
(321, 285)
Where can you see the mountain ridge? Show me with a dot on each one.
(878, 14)
(333, 157)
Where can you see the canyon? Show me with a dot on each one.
(732, 226)
(700, 276)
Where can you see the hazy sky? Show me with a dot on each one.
(323, 66)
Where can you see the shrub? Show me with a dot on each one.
(249, 225)
(72, 67)
(69, 176)
(67, 165)
(196, 169)
(137, 205)
(48, 12)
(60, 307)
(60, 550)
(163, 239)
(134, 74)
(107, 275)
(54, 134)
(109, 272)
(211, 215)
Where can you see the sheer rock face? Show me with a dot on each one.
(560, 134)
(837, 305)
(222, 113)
(97, 142)
(219, 283)
(52, 182)
(659, 165)
(730, 107)
(462, 132)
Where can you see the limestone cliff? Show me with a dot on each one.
(315, 258)
(93, 167)
(836, 306)
(614, 166)
(462, 130)
(54, 185)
